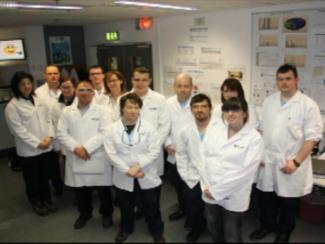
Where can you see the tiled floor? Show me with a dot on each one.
(19, 224)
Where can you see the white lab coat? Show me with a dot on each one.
(46, 94)
(75, 129)
(229, 165)
(56, 112)
(29, 124)
(155, 111)
(179, 117)
(144, 149)
(253, 118)
(188, 154)
(112, 105)
(285, 128)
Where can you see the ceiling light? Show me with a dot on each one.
(39, 6)
(154, 5)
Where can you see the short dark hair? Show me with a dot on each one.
(119, 76)
(141, 70)
(96, 66)
(232, 84)
(201, 97)
(133, 98)
(85, 81)
(286, 68)
(73, 81)
(15, 81)
(51, 65)
(236, 103)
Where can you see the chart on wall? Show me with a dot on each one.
(297, 38)
(194, 47)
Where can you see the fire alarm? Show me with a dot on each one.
(144, 23)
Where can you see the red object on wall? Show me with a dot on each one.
(144, 23)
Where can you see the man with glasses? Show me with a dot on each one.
(133, 146)
(81, 131)
(97, 76)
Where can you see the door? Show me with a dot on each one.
(125, 58)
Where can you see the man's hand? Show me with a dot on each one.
(45, 143)
(133, 171)
(289, 167)
(81, 152)
(208, 194)
(170, 150)
(140, 175)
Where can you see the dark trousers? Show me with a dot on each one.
(36, 172)
(178, 184)
(150, 200)
(84, 200)
(278, 213)
(224, 225)
(194, 207)
(55, 174)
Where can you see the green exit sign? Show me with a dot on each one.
(112, 36)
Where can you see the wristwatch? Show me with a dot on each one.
(296, 163)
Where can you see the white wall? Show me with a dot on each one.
(231, 30)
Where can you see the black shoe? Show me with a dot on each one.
(159, 239)
(107, 221)
(282, 238)
(121, 237)
(259, 234)
(50, 206)
(81, 222)
(176, 215)
(193, 236)
(40, 209)
(138, 214)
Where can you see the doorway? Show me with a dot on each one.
(125, 58)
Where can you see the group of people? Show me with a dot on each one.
(110, 137)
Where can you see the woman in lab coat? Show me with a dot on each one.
(114, 88)
(28, 118)
(232, 88)
(81, 131)
(230, 155)
(132, 145)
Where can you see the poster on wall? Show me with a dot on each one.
(60, 50)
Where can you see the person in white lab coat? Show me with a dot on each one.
(114, 88)
(81, 131)
(67, 98)
(133, 146)
(50, 92)
(28, 118)
(188, 158)
(231, 154)
(180, 115)
(97, 77)
(154, 109)
(232, 87)
(291, 126)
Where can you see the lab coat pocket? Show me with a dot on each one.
(96, 165)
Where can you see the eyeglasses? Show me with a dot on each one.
(96, 74)
(66, 87)
(82, 90)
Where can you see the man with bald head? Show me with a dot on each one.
(50, 91)
(180, 114)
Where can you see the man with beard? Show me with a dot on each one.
(188, 164)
